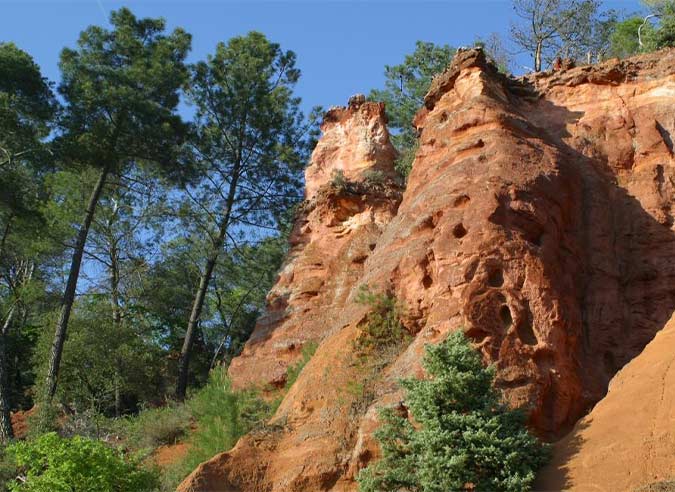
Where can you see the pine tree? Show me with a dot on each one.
(405, 86)
(121, 91)
(27, 108)
(461, 433)
(251, 143)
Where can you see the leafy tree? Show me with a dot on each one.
(405, 86)
(624, 37)
(110, 368)
(576, 29)
(120, 89)
(167, 289)
(26, 109)
(55, 464)
(251, 142)
(538, 29)
(664, 11)
(462, 432)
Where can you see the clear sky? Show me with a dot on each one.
(342, 46)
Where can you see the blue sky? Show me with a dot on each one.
(342, 46)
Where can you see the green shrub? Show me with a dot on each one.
(462, 432)
(8, 469)
(294, 370)
(156, 427)
(338, 180)
(405, 159)
(222, 415)
(43, 420)
(54, 464)
(382, 327)
(381, 340)
(374, 177)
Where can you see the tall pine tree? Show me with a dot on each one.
(121, 89)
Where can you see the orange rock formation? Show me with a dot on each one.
(537, 217)
(627, 441)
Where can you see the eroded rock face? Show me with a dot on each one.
(355, 140)
(538, 218)
(334, 234)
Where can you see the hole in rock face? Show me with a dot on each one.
(443, 117)
(371, 247)
(505, 316)
(496, 277)
(459, 231)
(426, 281)
(461, 201)
(476, 334)
(526, 332)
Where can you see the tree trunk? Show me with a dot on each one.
(5, 234)
(71, 285)
(198, 304)
(6, 432)
(537, 57)
(117, 318)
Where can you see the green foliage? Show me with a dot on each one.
(406, 157)
(43, 420)
(656, 28)
(294, 370)
(338, 180)
(54, 464)
(381, 339)
(664, 36)
(624, 38)
(156, 427)
(404, 89)
(245, 109)
(90, 377)
(26, 109)
(221, 416)
(8, 469)
(374, 177)
(121, 88)
(462, 432)
(381, 328)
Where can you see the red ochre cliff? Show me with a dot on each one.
(538, 218)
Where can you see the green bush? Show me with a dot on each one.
(338, 180)
(45, 419)
(382, 327)
(222, 415)
(294, 370)
(374, 177)
(157, 426)
(405, 159)
(54, 464)
(462, 432)
(8, 469)
(380, 341)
